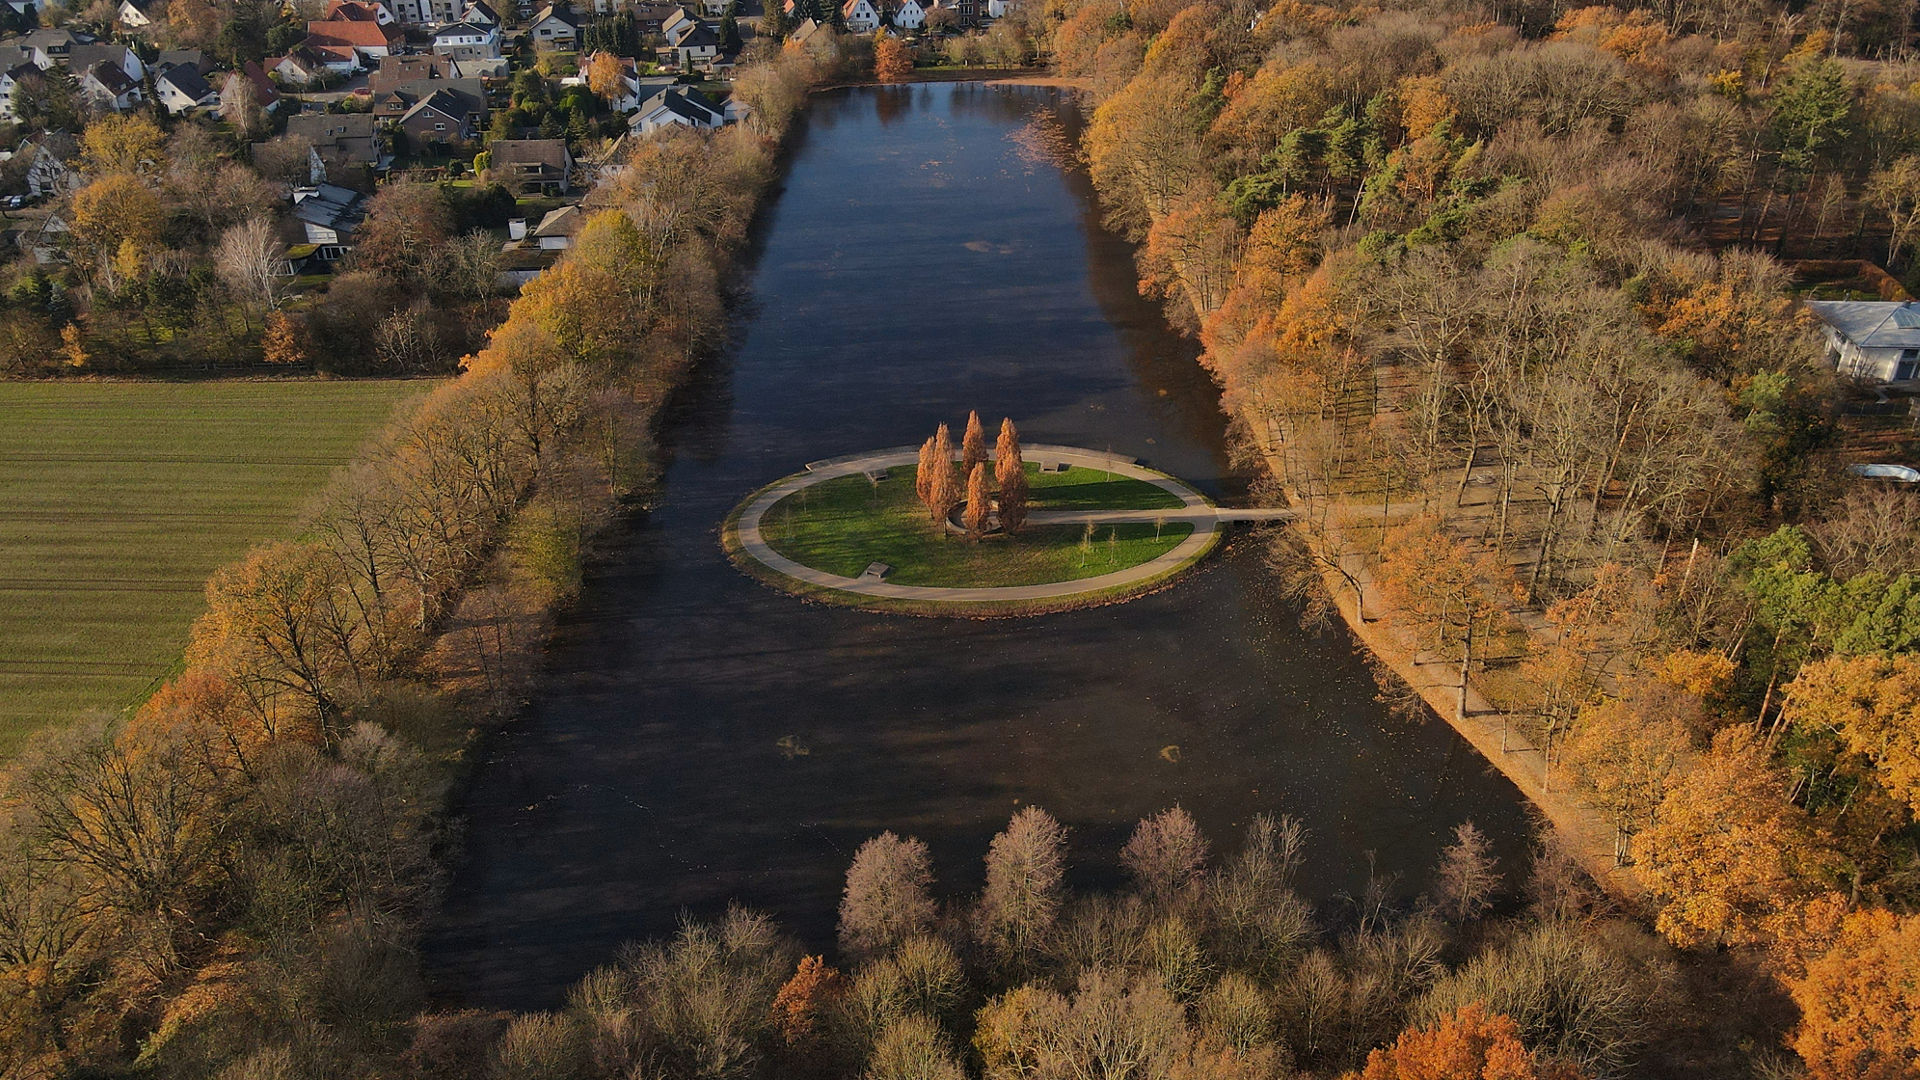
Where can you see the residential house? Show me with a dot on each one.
(494, 70)
(468, 41)
(9, 78)
(965, 12)
(859, 16)
(49, 48)
(714, 9)
(677, 24)
(442, 118)
(998, 8)
(909, 15)
(106, 86)
(299, 69)
(182, 89)
(264, 92)
(470, 99)
(135, 14)
(394, 72)
(373, 11)
(175, 57)
(558, 228)
(53, 164)
(343, 141)
(328, 214)
(651, 18)
(532, 166)
(678, 105)
(1876, 340)
(808, 30)
(87, 56)
(346, 45)
(699, 46)
(555, 27)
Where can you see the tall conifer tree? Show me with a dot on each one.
(1011, 471)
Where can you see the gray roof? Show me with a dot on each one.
(691, 104)
(1872, 324)
(104, 52)
(175, 57)
(187, 80)
(112, 78)
(563, 221)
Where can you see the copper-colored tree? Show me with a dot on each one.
(973, 445)
(943, 493)
(923, 472)
(979, 502)
(1011, 472)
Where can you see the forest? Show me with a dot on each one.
(1525, 253)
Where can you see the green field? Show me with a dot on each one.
(844, 524)
(117, 500)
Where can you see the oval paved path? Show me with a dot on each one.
(1194, 508)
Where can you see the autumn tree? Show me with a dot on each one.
(1469, 1044)
(1010, 471)
(1026, 871)
(979, 508)
(800, 1007)
(887, 897)
(1894, 190)
(973, 444)
(116, 227)
(892, 60)
(1724, 847)
(943, 490)
(924, 472)
(129, 143)
(1859, 1000)
(284, 342)
(1872, 703)
(603, 72)
(1628, 751)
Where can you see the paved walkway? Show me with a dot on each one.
(1194, 507)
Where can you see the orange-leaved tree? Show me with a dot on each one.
(892, 60)
(1011, 473)
(1860, 1001)
(943, 489)
(979, 502)
(1471, 1044)
(1725, 847)
(973, 444)
(923, 472)
(1873, 704)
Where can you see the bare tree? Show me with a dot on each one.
(1467, 878)
(1167, 855)
(887, 898)
(1026, 871)
(248, 259)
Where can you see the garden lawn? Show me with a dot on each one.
(117, 500)
(844, 524)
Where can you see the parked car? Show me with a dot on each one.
(1899, 474)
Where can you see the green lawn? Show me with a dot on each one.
(844, 524)
(117, 500)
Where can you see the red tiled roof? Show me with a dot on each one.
(364, 35)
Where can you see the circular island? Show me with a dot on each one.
(854, 531)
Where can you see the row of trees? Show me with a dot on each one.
(231, 882)
(1466, 279)
(942, 484)
(1197, 969)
